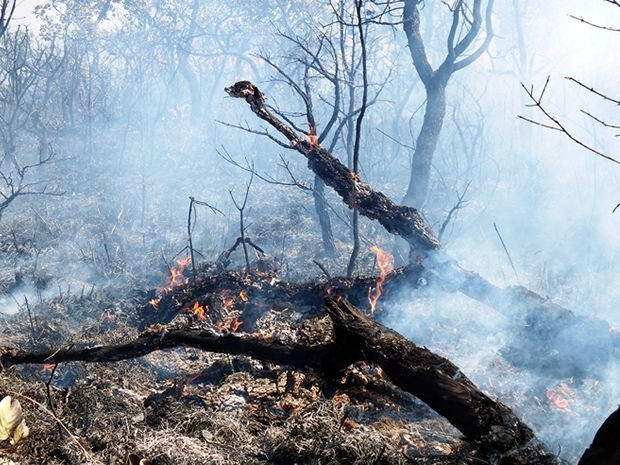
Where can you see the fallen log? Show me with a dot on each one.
(530, 309)
(495, 430)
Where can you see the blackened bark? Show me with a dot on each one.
(441, 385)
(403, 221)
(497, 432)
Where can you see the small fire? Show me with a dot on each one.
(559, 397)
(243, 296)
(236, 324)
(198, 310)
(385, 262)
(48, 367)
(155, 303)
(312, 137)
(176, 277)
(232, 325)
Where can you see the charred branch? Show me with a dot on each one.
(401, 220)
(435, 380)
(532, 312)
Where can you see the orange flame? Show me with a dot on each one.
(312, 137)
(559, 397)
(243, 296)
(236, 324)
(198, 310)
(106, 315)
(385, 262)
(176, 277)
(232, 325)
(154, 303)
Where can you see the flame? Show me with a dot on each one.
(312, 137)
(48, 367)
(385, 262)
(232, 325)
(176, 277)
(559, 397)
(243, 296)
(198, 310)
(236, 324)
(106, 315)
(155, 303)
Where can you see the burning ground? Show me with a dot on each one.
(185, 405)
(190, 406)
(115, 374)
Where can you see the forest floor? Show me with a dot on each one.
(186, 406)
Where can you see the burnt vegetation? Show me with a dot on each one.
(294, 312)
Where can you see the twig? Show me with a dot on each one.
(50, 402)
(598, 26)
(556, 123)
(506, 250)
(241, 209)
(87, 454)
(322, 268)
(591, 89)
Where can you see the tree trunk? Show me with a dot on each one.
(492, 426)
(320, 205)
(426, 143)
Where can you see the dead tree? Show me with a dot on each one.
(462, 50)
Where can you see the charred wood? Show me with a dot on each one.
(605, 447)
(537, 318)
(489, 424)
(403, 221)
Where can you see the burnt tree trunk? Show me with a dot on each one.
(532, 309)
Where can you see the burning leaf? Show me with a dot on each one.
(12, 423)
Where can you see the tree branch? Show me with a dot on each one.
(401, 220)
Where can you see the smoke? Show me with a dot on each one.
(132, 159)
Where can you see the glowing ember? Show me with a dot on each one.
(48, 367)
(385, 262)
(227, 302)
(198, 310)
(243, 296)
(106, 315)
(559, 397)
(154, 303)
(231, 325)
(236, 324)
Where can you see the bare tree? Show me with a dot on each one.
(469, 21)
(7, 8)
(25, 74)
